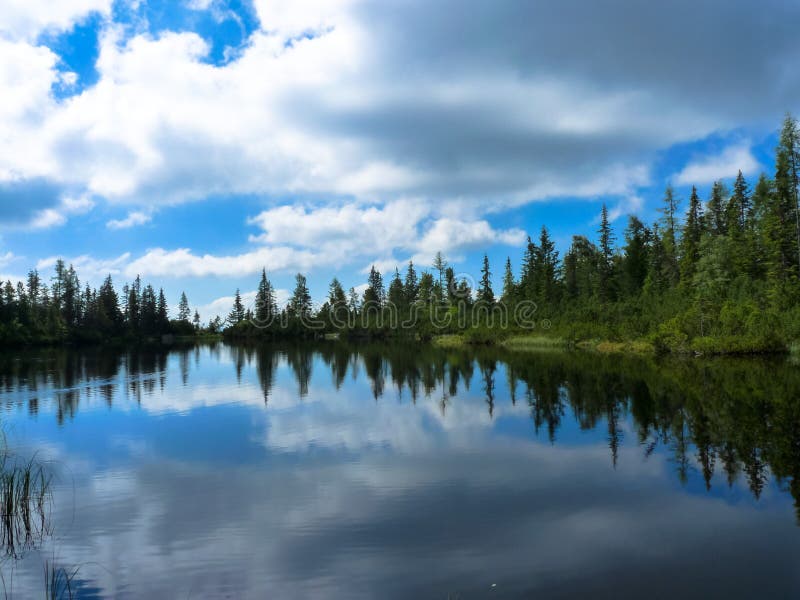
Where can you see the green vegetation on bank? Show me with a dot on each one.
(37, 313)
(720, 276)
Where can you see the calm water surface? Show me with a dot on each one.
(328, 471)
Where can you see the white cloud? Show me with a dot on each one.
(6, 259)
(290, 18)
(353, 231)
(47, 218)
(77, 206)
(182, 262)
(451, 235)
(629, 205)
(55, 217)
(725, 164)
(132, 220)
(319, 115)
(26, 19)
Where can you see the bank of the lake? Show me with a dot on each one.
(714, 346)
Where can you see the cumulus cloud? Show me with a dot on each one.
(728, 163)
(132, 220)
(353, 231)
(26, 19)
(333, 97)
(182, 262)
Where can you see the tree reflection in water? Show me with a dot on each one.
(741, 416)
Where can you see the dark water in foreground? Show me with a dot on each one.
(377, 472)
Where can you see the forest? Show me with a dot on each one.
(720, 275)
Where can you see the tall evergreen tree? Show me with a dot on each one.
(690, 240)
(546, 269)
(509, 285)
(162, 311)
(266, 304)
(375, 294)
(715, 214)
(183, 308)
(605, 282)
(300, 302)
(636, 256)
(411, 285)
(440, 265)
(485, 293)
(396, 296)
(787, 178)
(237, 313)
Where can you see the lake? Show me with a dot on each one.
(377, 471)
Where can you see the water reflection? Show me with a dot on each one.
(327, 462)
(741, 416)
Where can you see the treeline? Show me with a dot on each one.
(719, 275)
(35, 312)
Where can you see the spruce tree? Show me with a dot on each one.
(690, 240)
(266, 305)
(237, 313)
(606, 254)
(485, 293)
(509, 285)
(183, 308)
(300, 302)
(411, 285)
(787, 180)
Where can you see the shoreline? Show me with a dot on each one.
(699, 347)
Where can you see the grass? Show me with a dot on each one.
(24, 499)
(58, 582)
(532, 342)
(449, 341)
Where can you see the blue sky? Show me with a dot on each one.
(197, 141)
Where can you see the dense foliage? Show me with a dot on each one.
(35, 312)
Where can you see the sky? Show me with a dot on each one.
(195, 142)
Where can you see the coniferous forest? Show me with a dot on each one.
(717, 272)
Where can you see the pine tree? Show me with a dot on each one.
(440, 265)
(546, 269)
(715, 215)
(669, 211)
(787, 181)
(411, 285)
(183, 308)
(237, 313)
(374, 295)
(163, 311)
(337, 300)
(485, 293)
(690, 240)
(509, 286)
(636, 256)
(739, 205)
(266, 305)
(396, 292)
(300, 302)
(606, 254)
